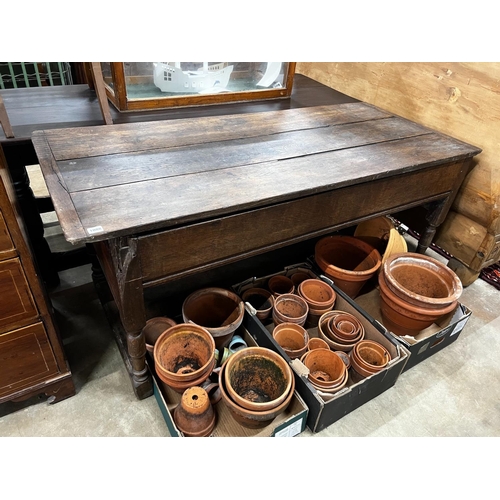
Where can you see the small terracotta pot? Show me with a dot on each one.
(298, 277)
(326, 369)
(217, 310)
(280, 284)
(369, 357)
(153, 329)
(349, 261)
(195, 416)
(292, 338)
(290, 308)
(261, 300)
(184, 353)
(421, 280)
(317, 343)
(249, 418)
(257, 378)
(345, 328)
(319, 295)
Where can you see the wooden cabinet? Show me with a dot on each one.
(32, 360)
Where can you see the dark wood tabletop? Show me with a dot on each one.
(109, 181)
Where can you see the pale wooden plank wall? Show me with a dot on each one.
(459, 99)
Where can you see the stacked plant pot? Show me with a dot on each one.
(320, 298)
(416, 291)
(256, 385)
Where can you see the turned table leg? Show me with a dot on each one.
(120, 264)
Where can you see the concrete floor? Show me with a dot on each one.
(456, 392)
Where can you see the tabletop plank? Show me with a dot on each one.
(111, 170)
(84, 142)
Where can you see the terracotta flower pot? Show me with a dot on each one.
(369, 357)
(349, 261)
(184, 354)
(345, 328)
(154, 328)
(317, 343)
(403, 318)
(257, 378)
(326, 369)
(318, 294)
(261, 300)
(421, 280)
(292, 338)
(328, 335)
(298, 277)
(334, 388)
(280, 284)
(218, 310)
(290, 308)
(195, 416)
(249, 418)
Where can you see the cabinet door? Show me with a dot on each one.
(7, 249)
(26, 358)
(17, 307)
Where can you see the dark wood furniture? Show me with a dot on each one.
(32, 360)
(164, 200)
(39, 108)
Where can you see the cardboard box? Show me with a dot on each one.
(289, 423)
(324, 412)
(429, 341)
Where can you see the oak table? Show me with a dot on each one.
(162, 200)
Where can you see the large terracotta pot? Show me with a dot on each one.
(218, 310)
(250, 418)
(421, 280)
(348, 261)
(261, 300)
(257, 378)
(195, 416)
(403, 318)
(184, 356)
(292, 338)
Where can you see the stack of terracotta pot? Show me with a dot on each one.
(290, 308)
(327, 371)
(369, 357)
(256, 385)
(415, 292)
(184, 356)
(292, 338)
(320, 298)
(340, 330)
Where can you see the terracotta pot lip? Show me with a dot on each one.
(334, 270)
(445, 274)
(272, 356)
(293, 298)
(168, 322)
(251, 414)
(389, 296)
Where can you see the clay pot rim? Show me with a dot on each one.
(323, 342)
(178, 330)
(220, 331)
(353, 275)
(265, 415)
(446, 275)
(342, 337)
(389, 296)
(314, 303)
(255, 352)
(152, 321)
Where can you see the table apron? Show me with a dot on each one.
(177, 252)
